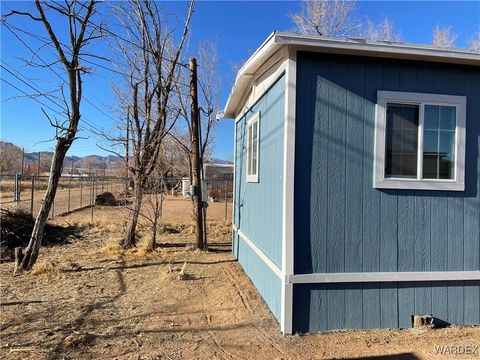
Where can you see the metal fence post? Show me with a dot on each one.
(161, 198)
(32, 193)
(17, 188)
(69, 191)
(92, 195)
(81, 190)
(226, 187)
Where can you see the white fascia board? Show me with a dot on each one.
(380, 49)
(364, 277)
(246, 73)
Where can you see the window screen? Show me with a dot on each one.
(401, 141)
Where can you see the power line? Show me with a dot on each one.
(53, 70)
(39, 90)
(47, 41)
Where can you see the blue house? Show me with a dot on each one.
(357, 181)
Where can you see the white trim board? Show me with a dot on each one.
(362, 277)
(288, 190)
(261, 254)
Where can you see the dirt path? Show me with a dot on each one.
(109, 305)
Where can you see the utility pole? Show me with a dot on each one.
(197, 182)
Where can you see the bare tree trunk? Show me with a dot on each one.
(129, 239)
(30, 254)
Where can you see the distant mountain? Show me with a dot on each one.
(219, 161)
(11, 160)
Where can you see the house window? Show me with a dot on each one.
(420, 141)
(252, 147)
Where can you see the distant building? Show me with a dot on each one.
(218, 171)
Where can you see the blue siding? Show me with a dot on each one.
(265, 280)
(343, 224)
(315, 306)
(258, 206)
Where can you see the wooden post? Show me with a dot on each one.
(197, 183)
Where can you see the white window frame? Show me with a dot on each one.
(255, 119)
(421, 99)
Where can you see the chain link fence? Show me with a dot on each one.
(76, 192)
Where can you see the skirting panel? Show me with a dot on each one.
(268, 284)
(324, 307)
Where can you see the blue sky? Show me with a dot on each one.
(237, 27)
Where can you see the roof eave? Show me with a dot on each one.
(359, 47)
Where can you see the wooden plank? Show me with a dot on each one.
(310, 308)
(354, 166)
(423, 291)
(353, 306)
(389, 305)
(471, 305)
(422, 234)
(472, 176)
(439, 231)
(406, 304)
(303, 183)
(335, 306)
(440, 300)
(371, 306)
(455, 302)
(406, 232)
(423, 298)
(319, 175)
(371, 196)
(455, 233)
(336, 167)
(472, 199)
(304, 307)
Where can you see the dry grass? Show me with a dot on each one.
(49, 269)
(134, 304)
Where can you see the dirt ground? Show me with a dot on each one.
(86, 299)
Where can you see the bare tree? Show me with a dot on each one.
(80, 34)
(474, 42)
(443, 37)
(151, 61)
(326, 18)
(382, 31)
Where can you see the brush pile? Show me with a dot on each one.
(15, 229)
(106, 199)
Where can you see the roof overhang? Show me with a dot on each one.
(346, 46)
